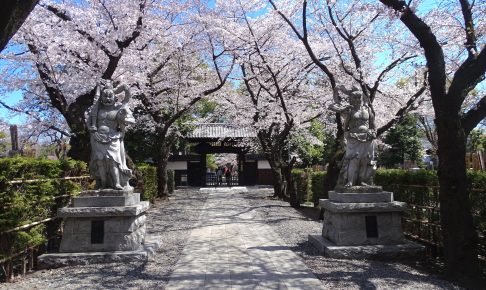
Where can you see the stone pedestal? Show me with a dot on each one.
(102, 226)
(363, 222)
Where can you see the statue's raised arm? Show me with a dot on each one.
(338, 105)
(125, 116)
(126, 89)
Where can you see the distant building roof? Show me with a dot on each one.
(220, 130)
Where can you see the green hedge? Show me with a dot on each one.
(406, 184)
(310, 185)
(22, 204)
(413, 187)
(477, 194)
(149, 178)
(300, 180)
(421, 187)
(170, 181)
(317, 182)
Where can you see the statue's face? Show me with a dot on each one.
(108, 98)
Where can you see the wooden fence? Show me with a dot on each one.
(21, 262)
(214, 180)
(421, 222)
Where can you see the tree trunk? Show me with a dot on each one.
(278, 182)
(80, 147)
(13, 14)
(162, 160)
(74, 116)
(459, 235)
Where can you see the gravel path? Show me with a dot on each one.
(174, 220)
(294, 226)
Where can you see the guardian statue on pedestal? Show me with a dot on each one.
(358, 164)
(107, 121)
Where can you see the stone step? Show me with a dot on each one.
(106, 201)
(406, 250)
(107, 192)
(233, 189)
(144, 253)
(132, 210)
(339, 207)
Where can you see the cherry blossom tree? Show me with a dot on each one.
(64, 49)
(173, 78)
(453, 43)
(279, 93)
(156, 47)
(355, 30)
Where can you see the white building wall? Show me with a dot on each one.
(177, 165)
(263, 164)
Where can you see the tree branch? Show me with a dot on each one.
(475, 115)
(469, 28)
(402, 111)
(155, 114)
(63, 16)
(312, 118)
(469, 74)
(430, 132)
(54, 93)
(305, 40)
(339, 53)
(30, 114)
(432, 49)
(122, 44)
(109, 14)
(352, 48)
(391, 66)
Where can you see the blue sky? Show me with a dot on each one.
(11, 99)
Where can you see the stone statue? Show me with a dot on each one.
(107, 120)
(358, 165)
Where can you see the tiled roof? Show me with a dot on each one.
(220, 130)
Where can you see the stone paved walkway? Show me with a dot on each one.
(232, 248)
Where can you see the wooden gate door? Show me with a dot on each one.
(250, 173)
(194, 169)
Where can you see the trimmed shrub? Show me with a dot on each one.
(413, 187)
(303, 181)
(477, 195)
(170, 181)
(421, 187)
(300, 181)
(27, 202)
(317, 186)
(149, 178)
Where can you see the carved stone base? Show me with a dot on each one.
(350, 229)
(106, 200)
(405, 250)
(104, 221)
(360, 224)
(358, 189)
(118, 234)
(145, 252)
